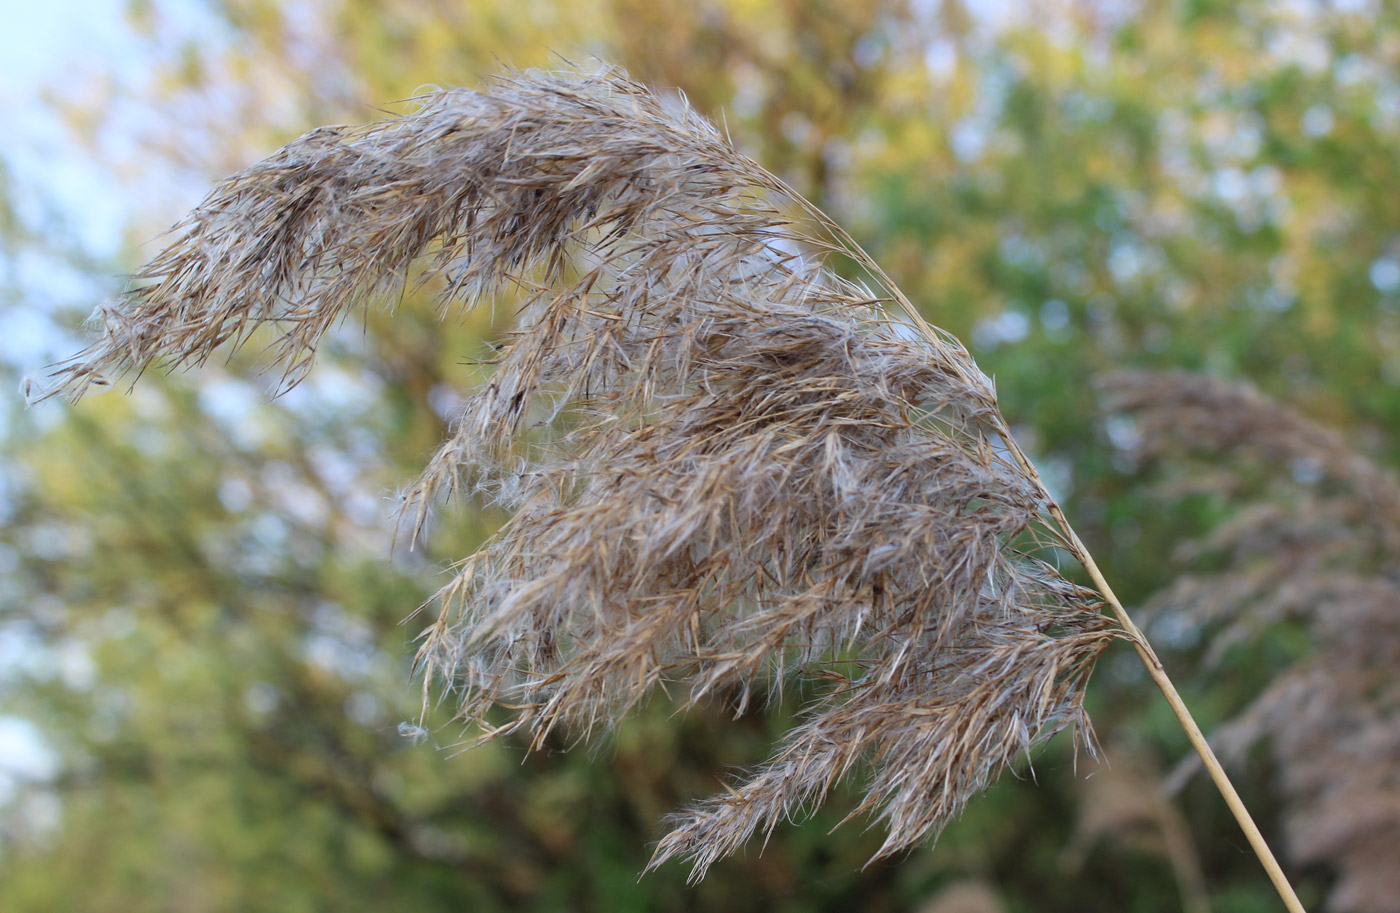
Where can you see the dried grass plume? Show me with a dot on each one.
(727, 469)
(1313, 542)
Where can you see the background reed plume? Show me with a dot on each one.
(727, 469)
(1313, 545)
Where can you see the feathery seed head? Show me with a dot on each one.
(725, 466)
(1313, 540)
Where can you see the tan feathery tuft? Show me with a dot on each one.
(726, 467)
(1314, 540)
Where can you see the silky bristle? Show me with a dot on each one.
(725, 466)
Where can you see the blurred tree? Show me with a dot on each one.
(1074, 187)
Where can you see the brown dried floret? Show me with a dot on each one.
(726, 467)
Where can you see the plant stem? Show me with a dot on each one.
(1178, 706)
(847, 245)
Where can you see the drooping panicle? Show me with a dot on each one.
(727, 469)
(1313, 541)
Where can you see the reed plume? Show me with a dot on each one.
(1313, 542)
(727, 470)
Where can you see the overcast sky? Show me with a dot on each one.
(49, 44)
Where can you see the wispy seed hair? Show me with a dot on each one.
(727, 469)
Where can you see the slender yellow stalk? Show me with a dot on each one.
(1086, 560)
(1179, 709)
(1311, 539)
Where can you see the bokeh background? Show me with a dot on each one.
(204, 652)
